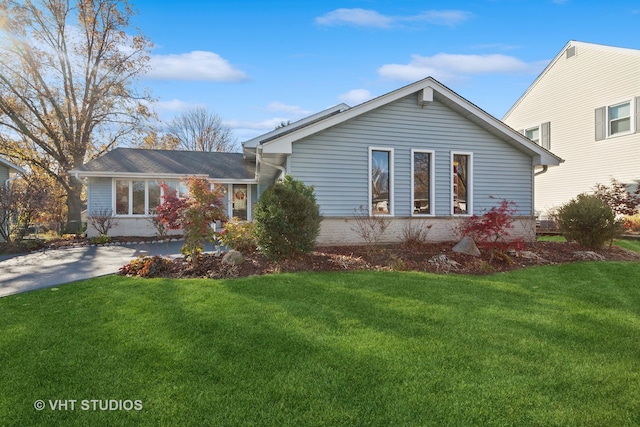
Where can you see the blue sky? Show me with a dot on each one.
(258, 63)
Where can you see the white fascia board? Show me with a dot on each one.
(11, 166)
(254, 142)
(124, 175)
(283, 144)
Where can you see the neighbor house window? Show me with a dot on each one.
(381, 181)
(422, 182)
(137, 197)
(533, 134)
(619, 118)
(461, 184)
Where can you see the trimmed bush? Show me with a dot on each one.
(287, 220)
(589, 221)
(238, 235)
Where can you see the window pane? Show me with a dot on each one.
(122, 197)
(380, 182)
(154, 195)
(622, 125)
(461, 197)
(619, 111)
(533, 134)
(138, 198)
(421, 183)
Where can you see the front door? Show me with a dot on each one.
(240, 201)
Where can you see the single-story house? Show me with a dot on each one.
(420, 155)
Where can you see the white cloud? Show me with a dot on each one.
(357, 17)
(175, 105)
(355, 96)
(371, 18)
(279, 107)
(445, 66)
(197, 65)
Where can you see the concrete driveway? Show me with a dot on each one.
(58, 266)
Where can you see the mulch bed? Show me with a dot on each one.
(432, 257)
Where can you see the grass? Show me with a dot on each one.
(550, 346)
(633, 245)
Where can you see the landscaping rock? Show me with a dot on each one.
(233, 258)
(467, 246)
(589, 256)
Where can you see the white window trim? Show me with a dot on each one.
(470, 179)
(391, 180)
(631, 118)
(432, 175)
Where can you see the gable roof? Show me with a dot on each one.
(144, 163)
(571, 44)
(11, 166)
(428, 90)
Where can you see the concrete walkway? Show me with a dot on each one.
(59, 266)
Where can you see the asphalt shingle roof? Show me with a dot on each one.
(143, 161)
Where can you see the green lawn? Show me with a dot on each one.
(633, 245)
(546, 346)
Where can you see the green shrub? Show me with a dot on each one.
(589, 221)
(101, 239)
(287, 220)
(238, 235)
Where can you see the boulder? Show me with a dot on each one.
(467, 246)
(233, 258)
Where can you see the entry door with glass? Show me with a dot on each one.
(239, 199)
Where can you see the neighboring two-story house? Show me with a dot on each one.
(7, 170)
(585, 108)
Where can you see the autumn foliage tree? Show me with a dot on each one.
(67, 74)
(194, 214)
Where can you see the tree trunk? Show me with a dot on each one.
(74, 206)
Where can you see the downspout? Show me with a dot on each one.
(544, 169)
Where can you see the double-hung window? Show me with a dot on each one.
(422, 182)
(619, 118)
(533, 134)
(381, 181)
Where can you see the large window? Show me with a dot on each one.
(381, 181)
(138, 197)
(461, 184)
(422, 182)
(619, 118)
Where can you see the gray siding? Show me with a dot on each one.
(4, 174)
(100, 194)
(335, 161)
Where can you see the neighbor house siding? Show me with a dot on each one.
(567, 95)
(336, 161)
(4, 174)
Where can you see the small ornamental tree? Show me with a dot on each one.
(618, 197)
(491, 230)
(194, 213)
(588, 220)
(287, 220)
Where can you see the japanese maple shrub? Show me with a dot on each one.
(492, 230)
(287, 220)
(194, 213)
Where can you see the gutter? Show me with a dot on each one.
(273, 165)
